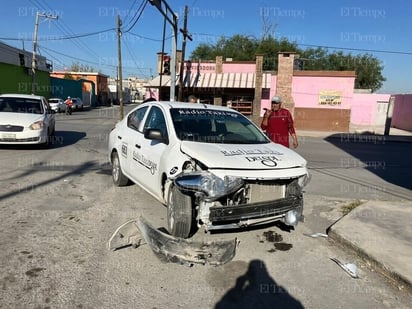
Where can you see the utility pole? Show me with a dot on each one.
(119, 68)
(173, 22)
(159, 97)
(182, 62)
(33, 59)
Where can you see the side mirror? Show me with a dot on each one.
(156, 135)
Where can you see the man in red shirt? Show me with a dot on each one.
(278, 123)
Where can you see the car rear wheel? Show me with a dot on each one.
(179, 213)
(119, 179)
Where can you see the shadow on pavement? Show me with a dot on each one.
(257, 289)
(66, 138)
(60, 139)
(388, 157)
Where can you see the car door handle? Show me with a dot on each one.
(138, 146)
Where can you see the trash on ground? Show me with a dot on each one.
(316, 235)
(172, 249)
(350, 268)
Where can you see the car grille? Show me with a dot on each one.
(11, 128)
(20, 140)
(265, 192)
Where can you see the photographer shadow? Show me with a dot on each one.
(257, 289)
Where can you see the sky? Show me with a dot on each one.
(85, 31)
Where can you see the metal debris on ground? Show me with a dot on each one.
(316, 235)
(172, 249)
(350, 268)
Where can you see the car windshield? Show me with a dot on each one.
(20, 105)
(215, 126)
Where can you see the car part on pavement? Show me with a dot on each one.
(172, 249)
(350, 268)
(316, 235)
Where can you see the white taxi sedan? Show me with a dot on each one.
(210, 165)
(25, 119)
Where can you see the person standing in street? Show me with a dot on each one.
(278, 123)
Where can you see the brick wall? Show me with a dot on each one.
(284, 80)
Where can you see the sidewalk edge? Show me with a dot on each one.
(394, 277)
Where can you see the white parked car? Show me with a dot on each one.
(210, 165)
(57, 105)
(25, 119)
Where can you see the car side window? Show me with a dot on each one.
(135, 119)
(156, 120)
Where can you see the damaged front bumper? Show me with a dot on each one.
(172, 249)
(289, 210)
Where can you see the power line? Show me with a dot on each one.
(138, 14)
(141, 9)
(65, 30)
(114, 66)
(128, 12)
(59, 38)
(324, 46)
(131, 54)
(360, 49)
(76, 58)
(147, 38)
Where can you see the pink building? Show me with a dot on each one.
(319, 100)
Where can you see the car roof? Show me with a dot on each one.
(177, 104)
(23, 96)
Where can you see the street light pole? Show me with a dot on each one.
(119, 69)
(173, 22)
(33, 59)
(182, 62)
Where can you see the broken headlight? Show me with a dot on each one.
(304, 180)
(211, 186)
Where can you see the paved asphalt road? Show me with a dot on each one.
(59, 208)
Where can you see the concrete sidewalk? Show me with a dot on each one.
(380, 232)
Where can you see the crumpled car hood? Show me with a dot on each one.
(245, 157)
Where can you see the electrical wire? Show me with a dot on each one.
(138, 14)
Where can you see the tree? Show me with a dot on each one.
(79, 67)
(368, 69)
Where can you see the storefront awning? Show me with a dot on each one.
(214, 80)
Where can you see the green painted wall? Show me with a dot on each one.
(62, 88)
(15, 79)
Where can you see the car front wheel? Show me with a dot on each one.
(119, 179)
(179, 213)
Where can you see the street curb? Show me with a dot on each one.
(396, 278)
(357, 137)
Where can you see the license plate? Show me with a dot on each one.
(8, 136)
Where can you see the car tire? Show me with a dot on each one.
(119, 179)
(179, 213)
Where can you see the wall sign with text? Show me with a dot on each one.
(330, 97)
